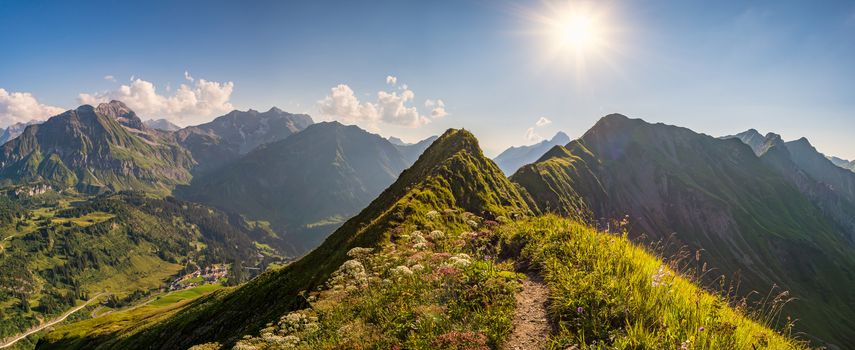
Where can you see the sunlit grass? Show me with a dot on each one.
(610, 293)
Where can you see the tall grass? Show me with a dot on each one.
(610, 293)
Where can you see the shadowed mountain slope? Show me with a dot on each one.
(710, 194)
(305, 185)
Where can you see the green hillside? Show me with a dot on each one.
(307, 184)
(451, 174)
(57, 253)
(434, 262)
(682, 189)
(89, 150)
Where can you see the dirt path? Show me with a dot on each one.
(45, 325)
(531, 324)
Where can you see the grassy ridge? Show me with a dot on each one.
(451, 174)
(610, 293)
(455, 290)
(607, 292)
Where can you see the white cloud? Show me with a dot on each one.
(341, 103)
(391, 107)
(23, 107)
(110, 78)
(437, 108)
(391, 80)
(188, 77)
(190, 103)
(542, 122)
(532, 135)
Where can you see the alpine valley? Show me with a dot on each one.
(266, 230)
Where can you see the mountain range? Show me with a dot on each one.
(754, 210)
(452, 174)
(15, 130)
(513, 158)
(228, 137)
(750, 219)
(308, 184)
(843, 163)
(95, 149)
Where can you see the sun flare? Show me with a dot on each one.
(577, 32)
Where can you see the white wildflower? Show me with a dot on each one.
(358, 252)
(432, 214)
(417, 268)
(402, 271)
(437, 235)
(460, 260)
(417, 237)
(420, 246)
(352, 272)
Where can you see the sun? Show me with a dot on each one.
(577, 32)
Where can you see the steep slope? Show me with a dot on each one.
(814, 176)
(810, 161)
(815, 164)
(15, 130)
(236, 133)
(709, 194)
(161, 124)
(513, 158)
(95, 149)
(452, 174)
(306, 185)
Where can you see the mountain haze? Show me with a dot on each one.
(14, 130)
(513, 158)
(162, 125)
(237, 133)
(843, 163)
(307, 184)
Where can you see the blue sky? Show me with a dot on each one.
(716, 67)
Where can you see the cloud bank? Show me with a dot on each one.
(201, 99)
(390, 107)
(21, 107)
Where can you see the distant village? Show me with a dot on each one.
(207, 275)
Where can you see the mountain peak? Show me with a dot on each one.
(120, 112)
(614, 122)
(803, 141)
(397, 141)
(161, 124)
(275, 109)
(560, 137)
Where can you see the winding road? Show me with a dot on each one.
(48, 324)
